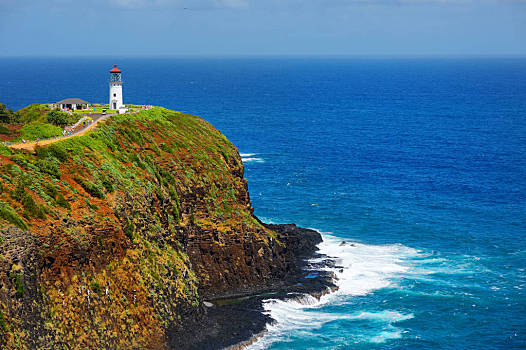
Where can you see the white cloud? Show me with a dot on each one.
(135, 4)
(235, 4)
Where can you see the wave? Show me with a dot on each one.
(366, 267)
(249, 157)
(360, 269)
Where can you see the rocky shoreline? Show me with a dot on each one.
(233, 321)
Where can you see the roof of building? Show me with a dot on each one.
(70, 101)
(115, 69)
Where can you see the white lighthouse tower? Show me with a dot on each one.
(116, 88)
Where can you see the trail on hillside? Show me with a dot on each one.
(30, 146)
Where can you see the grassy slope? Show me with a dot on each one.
(32, 124)
(118, 190)
(33, 113)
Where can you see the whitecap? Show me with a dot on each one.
(361, 269)
(249, 157)
(253, 159)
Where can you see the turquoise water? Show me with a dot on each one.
(418, 162)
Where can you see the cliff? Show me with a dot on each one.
(114, 239)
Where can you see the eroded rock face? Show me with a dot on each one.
(20, 290)
(123, 233)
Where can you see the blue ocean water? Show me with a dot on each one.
(420, 163)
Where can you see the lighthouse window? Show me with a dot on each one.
(114, 95)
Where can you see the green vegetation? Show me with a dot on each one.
(32, 113)
(6, 115)
(60, 118)
(3, 323)
(95, 287)
(18, 279)
(49, 166)
(31, 208)
(96, 108)
(39, 130)
(89, 187)
(7, 213)
(4, 130)
(62, 201)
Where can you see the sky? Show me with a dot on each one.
(262, 27)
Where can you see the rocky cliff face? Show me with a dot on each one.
(115, 238)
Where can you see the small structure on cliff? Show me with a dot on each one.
(72, 104)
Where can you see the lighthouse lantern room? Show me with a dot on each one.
(116, 88)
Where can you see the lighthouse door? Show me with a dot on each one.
(114, 105)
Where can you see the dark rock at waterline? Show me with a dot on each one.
(301, 241)
(237, 316)
(221, 327)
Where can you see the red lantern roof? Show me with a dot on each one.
(115, 69)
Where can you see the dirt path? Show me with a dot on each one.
(30, 146)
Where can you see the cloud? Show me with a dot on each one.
(235, 4)
(136, 4)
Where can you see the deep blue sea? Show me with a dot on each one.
(420, 163)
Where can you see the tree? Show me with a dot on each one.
(57, 117)
(5, 114)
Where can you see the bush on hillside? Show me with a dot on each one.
(7, 213)
(39, 130)
(32, 113)
(91, 188)
(58, 118)
(49, 165)
(5, 114)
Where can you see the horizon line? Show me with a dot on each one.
(187, 56)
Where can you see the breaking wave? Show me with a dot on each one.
(360, 269)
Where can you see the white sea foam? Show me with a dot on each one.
(249, 157)
(362, 269)
(253, 159)
(366, 267)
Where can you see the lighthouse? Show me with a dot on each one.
(115, 88)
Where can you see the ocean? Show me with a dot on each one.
(417, 164)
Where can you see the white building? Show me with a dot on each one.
(72, 104)
(116, 89)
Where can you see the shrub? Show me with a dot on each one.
(89, 187)
(58, 118)
(91, 206)
(19, 159)
(63, 202)
(31, 113)
(50, 166)
(5, 114)
(50, 190)
(95, 287)
(18, 280)
(39, 130)
(5, 151)
(3, 324)
(31, 209)
(54, 150)
(128, 230)
(4, 130)
(165, 147)
(7, 213)
(108, 184)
